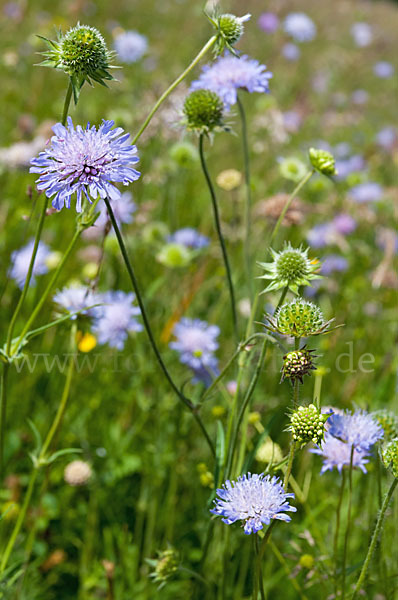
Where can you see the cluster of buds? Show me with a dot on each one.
(389, 422)
(290, 268)
(298, 318)
(165, 566)
(389, 455)
(203, 110)
(307, 424)
(323, 161)
(229, 30)
(296, 364)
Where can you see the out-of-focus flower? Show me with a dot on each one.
(323, 161)
(204, 111)
(338, 454)
(269, 452)
(164, 567)
(123, 209)
(290, 268)
(20, 153)
(291, 52)
(388, 421)
(78, 298)
(292, 168)
(229, 179)
(346, 166)
(77, 472)
(292, 121)
(344, 224)
(272, 208)
(86, 162)
(300, 27)
(130, 46)
(230, 73)
(196, 344)
(386, 137)
(360, 97)
(20, 260)
(383, 69)
(189, 237)
(332, 263)
(389, 455)
(362, 34)
(359, 429)
(298, 318)
(184, 154)
(116, 319)
(174, 255)
(268, 22)
(253, 499)
(366, 192)
(320, 235)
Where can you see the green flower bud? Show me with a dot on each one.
(291, 268)
(322, 161)
(307, 424)
(229, 31)
(154, 232)
(174, 255)
(203, 110)
(165, 566)
(296, 364)
(184, 154)
(389, 456)
(299, 318)
(389, 421)
(292, 168)
(82, 54)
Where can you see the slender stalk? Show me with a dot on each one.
(374, 539)
(188, 403)
(259, 573)
(337, 531)
(3, 412)
(219, 233)
(296, 190)
(175, 83)
(255, 576)
(67, 103)
(347, 531)
(289, 465)
(246, 159)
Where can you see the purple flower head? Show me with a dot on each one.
(337, 454)
(131, 46)
(85, 161)
(189, 237)
(292, 120)
(386, 137)
(20, 260)
(362, 34)
(77, 298)
(123, 209)
(268, 22)
(360, 429)
(383, 69)
(359, 97)
(230, 73)
(291, 52)
(344, 224)
(300, 27)
(253, 499)
(333, 262)
(346, 166)
(196, 343)
(116, 319)
(366, 192)
(321, 235)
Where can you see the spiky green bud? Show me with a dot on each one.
(296, 364)
(165, 566)
(389, 456)
(389, 421)
(82, 54)
(307, 424)
(298, 318)
(229, 31)
(203, 110)
(291, 268)
(323, 161)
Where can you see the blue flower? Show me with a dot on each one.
(196, 343)
(253, 499)
(366, 192)
(123, 209)
(344, 224)
(386, 137)
(321, 235)
(362, 34)
(85, 161)
(349, 165)
(337, 454)
(300, 27)
(189, 237)
(78, 298)
(20, 260)
(268, 22)
(383, 69)
(116, 319)
(333, 262)
(131, 46)
(230, 73)
(291, 52)
(360, 429)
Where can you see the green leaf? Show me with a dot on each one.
(63, 452)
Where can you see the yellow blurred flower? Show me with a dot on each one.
(229, 179)
(86, 341)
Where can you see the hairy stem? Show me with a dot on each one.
(246, 159)
(348, 528)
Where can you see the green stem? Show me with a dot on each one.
(175, 83)
(67, 103)
(255, 577)
(296, 190)
(219, 233)
(188, 403)
(259, 573)
(289, 465)
(246, 158)
(337, 531)
(347, 531)
(375, 536)
(3, 413)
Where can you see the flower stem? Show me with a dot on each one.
(259, 572)
(347, 531)
(246, 158)
(289, 464)
(188, 403)
(67, 103)
(375, 536)
(336, 533)
(3, 413)
(175, 83)
(292, 196)
(220, 235)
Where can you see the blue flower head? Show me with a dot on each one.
(116, 319)
(86, 162)
(20, 260)
(131, 46)
(300, 27)
(230, 73)
(189, 237)
(253, 499)
(78, 298)
(123, 209)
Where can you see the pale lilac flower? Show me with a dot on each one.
(346, 166)
(359, 429)
(332, 263)
(362, 34)
(268, 22)
(78, 298)
(366, 192)
(300, 27)
(383, 69)
(292, 121)
(359, 97)
(20, 261)
(189, 237)
(116, 319)
(338, 454)
(386, 137)
(253, 499)
(291, 52)
(123, 209)
(230, 73)
(321, 235)
(344, 224)
(86, 162)
(131, 46)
